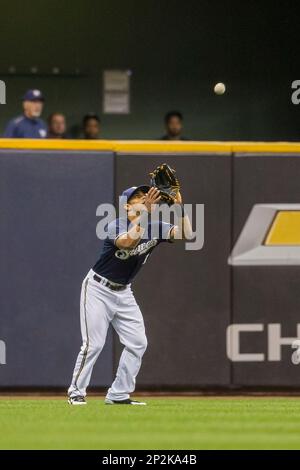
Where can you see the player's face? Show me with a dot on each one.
(174, 126)
(33, 109)
(136, 205)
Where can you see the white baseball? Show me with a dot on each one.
(219, 89)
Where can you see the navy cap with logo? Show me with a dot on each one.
(129, 192)
(33, 95)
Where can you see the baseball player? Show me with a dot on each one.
(107, 298)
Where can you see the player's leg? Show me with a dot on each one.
(94, 321)
(129, 324)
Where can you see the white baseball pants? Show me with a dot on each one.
(100, 306)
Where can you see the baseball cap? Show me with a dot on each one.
(33, 95)
(129, 192)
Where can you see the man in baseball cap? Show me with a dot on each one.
(130, 192)
(29, 125)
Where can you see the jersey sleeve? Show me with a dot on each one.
(10, 130)
(115, 229)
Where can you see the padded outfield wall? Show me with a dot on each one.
(223, 316)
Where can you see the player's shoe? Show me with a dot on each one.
(76, 400)
(128, 401)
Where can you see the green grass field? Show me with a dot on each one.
(166, 423)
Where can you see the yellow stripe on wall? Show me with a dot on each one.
(55, 144)
(122, 146)
(285, 229)
(151, 146)
(265, 147)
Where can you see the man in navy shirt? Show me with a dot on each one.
(107, 298)
(29, 125)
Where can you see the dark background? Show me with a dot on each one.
(176, 51)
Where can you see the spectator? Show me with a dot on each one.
(56, 126)
(174, 126)
(29, 125)
(91, 126)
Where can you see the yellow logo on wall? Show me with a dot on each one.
(271, 236)
(285, 229)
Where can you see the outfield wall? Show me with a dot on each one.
(47, 242)
(214, 317)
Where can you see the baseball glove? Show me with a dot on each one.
(164, 178)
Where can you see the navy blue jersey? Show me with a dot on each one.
(23, 127)
(121, 266)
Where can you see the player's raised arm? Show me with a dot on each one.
(138, 209)
(182, 231)
(165, 179)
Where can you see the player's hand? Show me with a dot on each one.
(151, 199)
(178, 198)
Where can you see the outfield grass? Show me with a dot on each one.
(166, 423)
